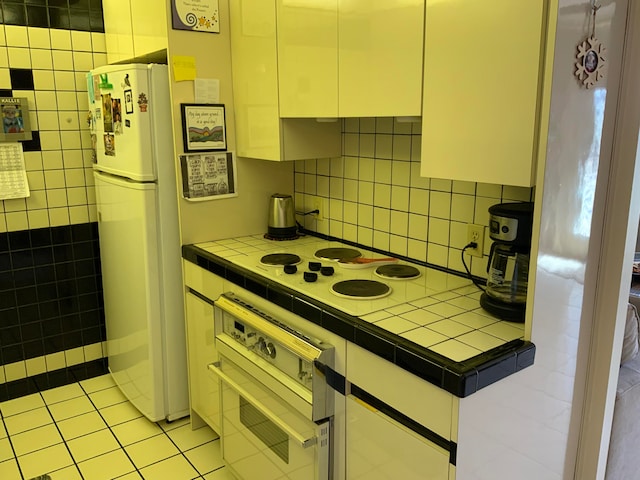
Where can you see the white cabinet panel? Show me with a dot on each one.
(378, 448)
(428, 405)
(380, 57)
(204, 387)
(308, 58)
(481, 96)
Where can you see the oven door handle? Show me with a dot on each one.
(301, 439)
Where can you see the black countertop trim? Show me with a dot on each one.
(459, 378)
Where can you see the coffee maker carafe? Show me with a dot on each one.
(508, 265)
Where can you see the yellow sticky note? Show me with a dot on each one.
(184, 68)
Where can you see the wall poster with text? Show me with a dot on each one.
(196, 15)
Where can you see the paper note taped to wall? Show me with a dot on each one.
(13, 174)
(184, 68)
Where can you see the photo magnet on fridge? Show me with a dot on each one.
(107, 118)
(116, 112)
(109, 144)
(128, 101)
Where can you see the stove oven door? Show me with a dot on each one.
(265, 437)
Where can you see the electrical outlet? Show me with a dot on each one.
(475, 234)
(318, 204)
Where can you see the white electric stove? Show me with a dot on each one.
(249, 253)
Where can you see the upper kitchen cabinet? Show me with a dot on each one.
(260, 132)
(307, 40)
(483, 96)
(350, 58)
(133, 29)
(380, 57)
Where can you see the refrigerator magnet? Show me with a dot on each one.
(128, 101)
(109, 144)
(127, 123)
(107, 118)
(117, 115)
(143, 102)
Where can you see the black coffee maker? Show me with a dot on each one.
(508, 266)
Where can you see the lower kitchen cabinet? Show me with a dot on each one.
(204, 387)
(379, 448)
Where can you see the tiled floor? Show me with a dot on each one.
(88, 430)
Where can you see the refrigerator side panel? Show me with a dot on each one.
(128, 248)
(174, 339)
(122, 118)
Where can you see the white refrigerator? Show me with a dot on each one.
(136, 196)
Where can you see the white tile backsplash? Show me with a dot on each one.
(425, 218)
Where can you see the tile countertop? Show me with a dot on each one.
(432, 327)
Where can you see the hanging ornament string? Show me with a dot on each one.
(590, 59)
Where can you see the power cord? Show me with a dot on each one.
(475, 282)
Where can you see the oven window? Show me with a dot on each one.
(263, 428)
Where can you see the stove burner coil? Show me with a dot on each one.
(280, 259)
(337, 253)
(397, 272)
(360, 289)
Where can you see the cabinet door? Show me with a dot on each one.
(149, 22)
(380, 57)
(481, 83)
(379, 448)
(308, 58)
(255, 78)
(203, 385)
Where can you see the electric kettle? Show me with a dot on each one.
(282, 220)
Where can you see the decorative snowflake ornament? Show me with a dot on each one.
(590, 61)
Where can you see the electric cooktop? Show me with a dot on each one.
(352, 279)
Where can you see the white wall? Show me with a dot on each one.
(527, 426)
(257, 180)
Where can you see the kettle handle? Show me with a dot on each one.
(493, 248)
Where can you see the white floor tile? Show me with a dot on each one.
(107, 397)
(68, 473)
(3, 432)
(71, 408)
(97, 383)
(106, 467)
(151, 450)
(186, 438)
(220, 474)
(131, 476)
(136, 430)
(6, 452)
(176, 468)
(81, 425)
(120, 413)
(36, 439)
(45, 461)
(9, 469)
(22, 404)
(28, 420)
(92, 445)
(61, 394)
(207, 457)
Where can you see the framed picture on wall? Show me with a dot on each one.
(203, 127)
(198, 15)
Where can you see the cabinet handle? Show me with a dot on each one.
(301, 439)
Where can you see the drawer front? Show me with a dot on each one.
(421, 401)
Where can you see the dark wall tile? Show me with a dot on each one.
(32, 145)
(21, 79)
(79, 20)
(59, 18)
(37, 16)
(14, 14)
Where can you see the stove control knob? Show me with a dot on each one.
(269, 349)
(259, 345)
(310, 276)
(327, 271)
(290, 269)
(314, 266)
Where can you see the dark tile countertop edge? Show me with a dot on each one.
(459, 378)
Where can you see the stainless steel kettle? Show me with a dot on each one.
(282, 218)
